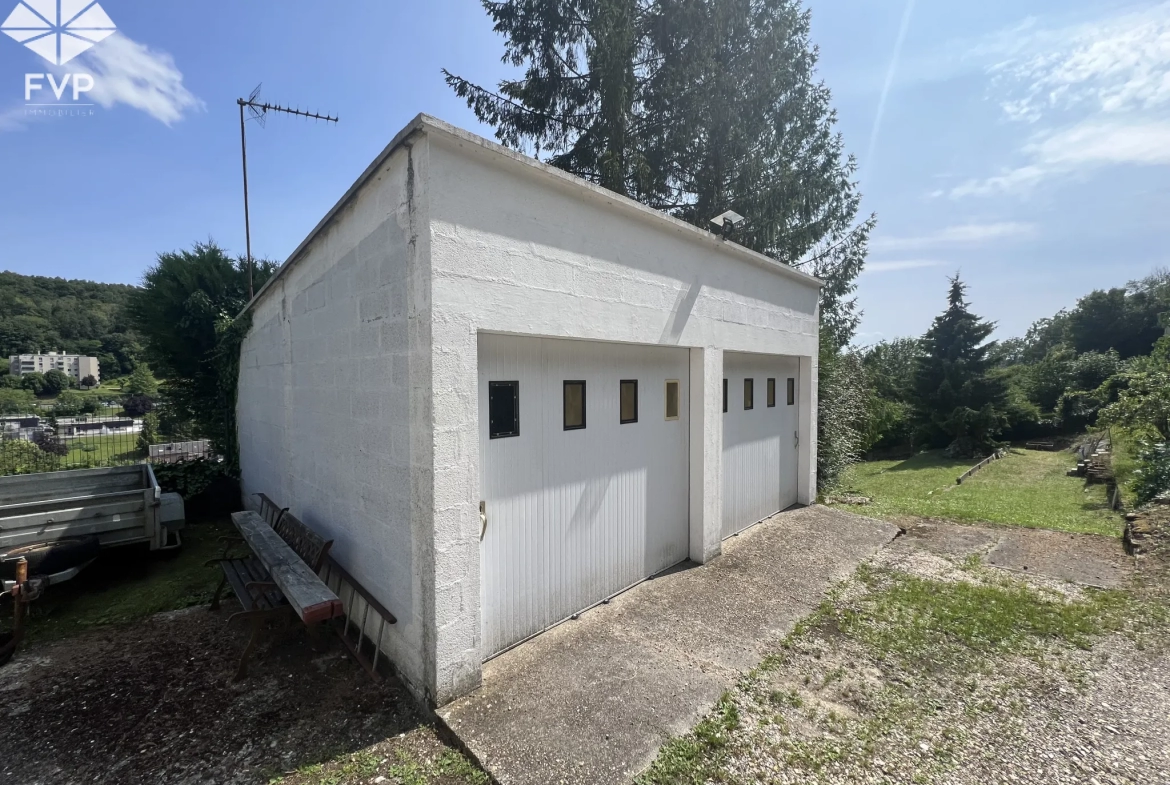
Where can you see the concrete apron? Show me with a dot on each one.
(592, 700)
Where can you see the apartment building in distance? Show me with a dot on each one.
(74, 366)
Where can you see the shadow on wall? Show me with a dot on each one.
(680, 313)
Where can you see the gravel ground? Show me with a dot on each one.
(831, 708)
(154, 702)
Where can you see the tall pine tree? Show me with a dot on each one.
(693, 107)
(957, 400)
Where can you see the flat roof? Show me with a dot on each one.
(423, 123)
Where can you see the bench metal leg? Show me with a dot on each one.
(316, 638)
(218, 591)
(257, 627)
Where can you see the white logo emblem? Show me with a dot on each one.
(58, 30)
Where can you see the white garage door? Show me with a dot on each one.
(584, 467)
(759, 437)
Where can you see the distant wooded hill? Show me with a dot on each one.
(79, 317)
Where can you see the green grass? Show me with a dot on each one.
(398, 766)
(929, 639)
(922, 621)
(699, 757)
(130, 583)
(1026, 488)
(109, 450)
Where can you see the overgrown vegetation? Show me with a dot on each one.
(1104, 363)
(188, 314)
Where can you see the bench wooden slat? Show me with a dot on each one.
(308, 595)
(248, 600)
(253, 570)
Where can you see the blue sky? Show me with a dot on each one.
(1026, 144)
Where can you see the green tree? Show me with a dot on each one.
(69, 404)
(186, 313)
(842, 414)
(56, 382)
(18, 456)
(16, 401)
(149, 434)
(889, 370)
(1050, 377)
(78, 317)
(692, 107)
(957, 399)
(33, 382)
(89, 381)
(141, 382)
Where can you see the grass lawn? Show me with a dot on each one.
(129, 583)
(1026, 488)
(109, 450)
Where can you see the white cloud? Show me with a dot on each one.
(130, 73)
(1112, 65)
(903, 264)
(1097, 92)
(963, 234)
(1076, 149)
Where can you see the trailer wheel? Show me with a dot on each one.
(47, 558)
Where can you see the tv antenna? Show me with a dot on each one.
(258, 111)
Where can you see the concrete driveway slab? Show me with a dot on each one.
(592, 700)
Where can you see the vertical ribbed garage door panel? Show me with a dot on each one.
(575, 516)
(759, 450)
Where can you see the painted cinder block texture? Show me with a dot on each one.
(359, 392)
(330, 400)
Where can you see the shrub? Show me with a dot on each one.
(1152, 475)
(16, 401)
(50, 444)
(18, 456)
(841, 414)
(137, 405)
(189, 478)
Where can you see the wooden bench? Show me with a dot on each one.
(280, 576)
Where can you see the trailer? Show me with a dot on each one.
(118, 506)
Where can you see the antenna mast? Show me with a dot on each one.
(258, 111)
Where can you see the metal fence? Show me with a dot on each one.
(33, 443)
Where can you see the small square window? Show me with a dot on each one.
(771, 393)
(503, 409)
(725, 396)
(749, 393)
(672, 399)
(791, 391)
(574, 405)
(629, 401)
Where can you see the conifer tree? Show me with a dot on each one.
(693, 107)
(957, 400)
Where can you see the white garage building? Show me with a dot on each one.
(508, 394)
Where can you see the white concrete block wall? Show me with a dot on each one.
(331, 403)
(358, 388)
(515, 249)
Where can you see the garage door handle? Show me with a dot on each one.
(482, 519)
(796, 435)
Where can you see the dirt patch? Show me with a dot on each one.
(1083, 559)
(154, 702)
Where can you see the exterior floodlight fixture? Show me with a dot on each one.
(727, 222)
